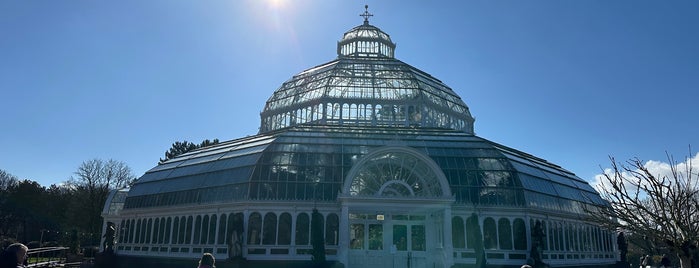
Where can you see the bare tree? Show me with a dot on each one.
(92, 182)
(662, 208)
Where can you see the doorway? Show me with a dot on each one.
(387, 241)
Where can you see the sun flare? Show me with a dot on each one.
(277, 4)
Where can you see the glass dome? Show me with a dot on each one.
(365, 86)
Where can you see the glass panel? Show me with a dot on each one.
(204, 230)
(302, 222)
(504, 233)
(137, 236)
(148, 232)
(520, 234)
(489, 234)
(156, 231)
(457, 235)
(222, 230)
(356, 236)
(400, 234)
(269, 235)
(254, 228)
(197, 230)
(212, 230)
(417, 237)
(284, 229)
(375, 237)
(331, 229)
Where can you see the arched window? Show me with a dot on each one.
(236, 232)
(148, 230)
(141, 235)
(121, 231)
(176, 230)
(345, 111)
(269, 235)
(331, 229)
(472, 228)
(197, 229)
(353, 112)
(222, 230)
(254, 228)
(302, 225)
(132, 230)
(490, 234)
(161, 237)
(137, 231)
(212, 230)
(156, 231)
(168, 230)
(204, 229)
(188, 230)
(458, 237)
(176, 233)
(559, 228)
(504, 233)
(520, 234)
(284, 229)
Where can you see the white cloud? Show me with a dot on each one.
(657, 168)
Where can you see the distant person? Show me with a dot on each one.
(14, 256)
(207, 261)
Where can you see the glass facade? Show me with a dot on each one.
(311, 163)
(388, 155)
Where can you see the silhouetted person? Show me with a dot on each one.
(207, 261)
(109, 237)
(14, 256)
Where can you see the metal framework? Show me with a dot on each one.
(365, 86)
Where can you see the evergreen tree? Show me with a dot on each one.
(179, 148)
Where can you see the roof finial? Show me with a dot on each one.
(366, 14)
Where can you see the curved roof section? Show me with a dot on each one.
(365, 86)
(311, 163)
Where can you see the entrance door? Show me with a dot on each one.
(409, 243)
(366, 242)
(394, 241)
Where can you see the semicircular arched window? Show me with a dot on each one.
(395, 174)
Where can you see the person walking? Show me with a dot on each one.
(207, 261)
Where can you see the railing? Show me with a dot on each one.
(49, 257)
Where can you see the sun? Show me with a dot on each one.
(277, 4)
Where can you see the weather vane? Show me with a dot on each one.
(366, 14)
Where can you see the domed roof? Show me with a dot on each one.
(365, 86)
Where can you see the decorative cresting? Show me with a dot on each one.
(398, 172)
(365, 86)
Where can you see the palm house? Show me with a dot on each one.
(388, 156)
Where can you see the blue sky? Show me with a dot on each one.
(569, 81)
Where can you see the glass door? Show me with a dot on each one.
(366, 242)
(409, 244)
(390, 241)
